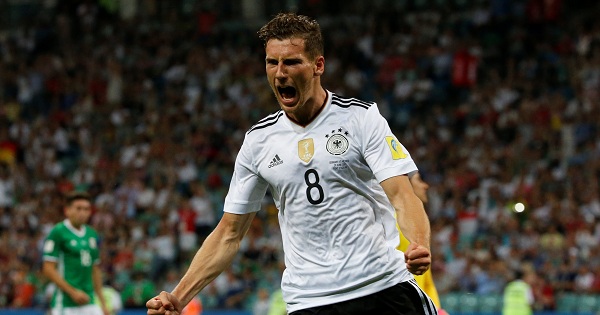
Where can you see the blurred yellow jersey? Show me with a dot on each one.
(425, 281)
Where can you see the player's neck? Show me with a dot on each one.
(313, 111)
(77, 227)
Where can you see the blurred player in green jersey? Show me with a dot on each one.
(71, 261)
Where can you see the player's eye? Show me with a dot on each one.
(291, 62)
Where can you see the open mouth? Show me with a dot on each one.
(288, 94)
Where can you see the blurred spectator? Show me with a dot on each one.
(188, 239)
(138, 291)
(24, 289)
(165, 250)
(544, 294)
(584, 279)
(205, 219)
(171, 279)
(262, 304)
(194, 307)
(7, 187)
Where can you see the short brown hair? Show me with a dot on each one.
(77, 195)
(291, 25)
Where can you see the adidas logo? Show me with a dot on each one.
(276, 161)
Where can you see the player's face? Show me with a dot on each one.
(293, 76)
(420, 187)
(78, 212)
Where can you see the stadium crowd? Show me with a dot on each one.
(145, 107)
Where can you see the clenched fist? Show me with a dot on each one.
(165, 303)
(418, 259)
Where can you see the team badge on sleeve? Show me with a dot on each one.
(395, 148)
(306, 149)
(48, 246)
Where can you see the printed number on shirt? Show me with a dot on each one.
(86, 258)
(313, 184)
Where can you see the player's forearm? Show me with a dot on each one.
(410, 213)
(97, 280)
(215, 255)
(210, 261)
(52, 274)
(413, 220)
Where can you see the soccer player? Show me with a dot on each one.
(337, 175)
(71, 258)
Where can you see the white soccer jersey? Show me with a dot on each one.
(338, 226)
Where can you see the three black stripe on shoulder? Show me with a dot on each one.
(335, 100)
(267, 121)
(347, 102)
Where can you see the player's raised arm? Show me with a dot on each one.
(215, 255)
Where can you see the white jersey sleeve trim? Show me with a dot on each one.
(390, 172)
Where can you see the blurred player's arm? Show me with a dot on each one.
(49, 270)
(97, 281)
(412, 220)
(215, 255)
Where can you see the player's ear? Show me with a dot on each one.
(319, 66)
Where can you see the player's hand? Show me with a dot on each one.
(165, 303)
(418, 259)
(80, 297)
(105, 311)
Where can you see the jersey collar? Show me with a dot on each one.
(80, 232)
(300, 129)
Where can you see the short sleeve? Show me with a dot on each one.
(52, 246)
(95, 248)
(385, 155)
(247, 189)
